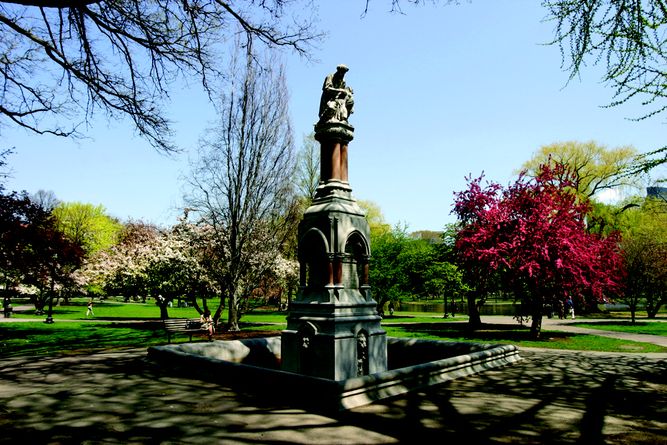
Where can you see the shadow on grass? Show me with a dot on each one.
(24, 339)
(628, 323)
(487, 332)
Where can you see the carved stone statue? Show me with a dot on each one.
(337, 102)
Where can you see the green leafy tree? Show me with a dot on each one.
(374, 216)
(87, 225)
(403, 267)
(444, 279)
(387, 277)
(592, 168)
(644, 248)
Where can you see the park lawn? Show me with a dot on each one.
(111, 310)
(38, 338)
(519, 336)
(640, 327)
(419, 317)
(114, 310)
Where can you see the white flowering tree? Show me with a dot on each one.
(122, 269)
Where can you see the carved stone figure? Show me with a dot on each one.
(337, 101)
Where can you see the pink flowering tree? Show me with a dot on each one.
(531, 237)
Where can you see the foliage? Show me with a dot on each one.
(87, 225)
(645, 254)
(374, 216)
(628, 37)
(121, 269)
(32, 249)
(62, 59)
(533, 235)
(387, 278)
(403, 267)
(54, 259)
(18, 230)
(591, 167)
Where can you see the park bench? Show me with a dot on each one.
(182, 326)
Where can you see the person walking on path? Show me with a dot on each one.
(569, 305)
(89, 311)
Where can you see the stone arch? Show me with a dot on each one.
(315, 267)
(356, 259)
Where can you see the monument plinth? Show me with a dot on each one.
(333, 327)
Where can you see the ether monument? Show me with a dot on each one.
(333, 327)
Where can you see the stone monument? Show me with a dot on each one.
(333, 327)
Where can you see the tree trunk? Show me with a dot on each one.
(233, 313)
(474, 319)
(536, 325)
(49, 315)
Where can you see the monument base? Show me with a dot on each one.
(334, 341)
(253, 365)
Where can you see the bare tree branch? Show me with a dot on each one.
(60, 60)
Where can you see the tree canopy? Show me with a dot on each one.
(63, 60)
(628, 38)
(591, 167)
(87, 225)
(533, 235)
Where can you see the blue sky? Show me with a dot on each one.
(441, 92)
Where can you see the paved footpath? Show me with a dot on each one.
(549, 397)
(567, 325)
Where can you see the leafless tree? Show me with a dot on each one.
(241, 183)
(45, 199)
(308, 168)
(4, 170)
(60, 59)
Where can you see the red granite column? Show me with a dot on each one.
(325, 162)
(343, 163)
(338, 270)
(333, 160)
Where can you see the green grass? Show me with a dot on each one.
(106, 310)
(640, 327)
(38, 338)
(110, 329)
(519, 336)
